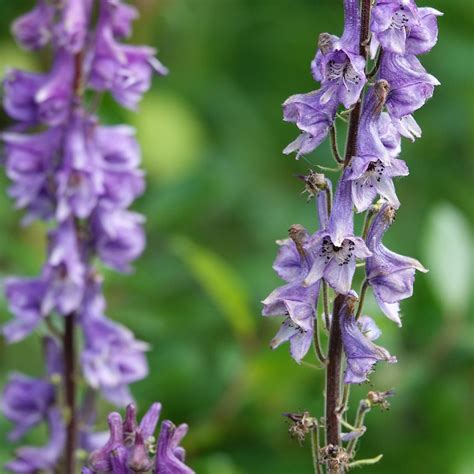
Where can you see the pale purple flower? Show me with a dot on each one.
(372, 170)
(390, 275)
(112, 358)
(312, 117)
(334, 251)
(29, 164)
(71, 31)
(119, 237)
(30, 460)
(338, 65)
(410, 85)
(121, 17)
(123, 69)
(170, 456)
(424, 35)
(33, 30)
(25, 301)
(407, 127)
(357, 336)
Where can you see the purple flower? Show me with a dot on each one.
(312, 117)
(112, 358)
(26, 402)
(33, 30)
(410, 85)
(357, 335)
(71, 31)
(64, 271)
(30, 460)
(333, 251)
(407, 127)
(34, 98)
(371, 172)
(124, 70)
(25, 302)
(390, 275)
(121, 17)
(170, 455)
(119, 237)
(29, 163)
(424, 35)
(338, 65)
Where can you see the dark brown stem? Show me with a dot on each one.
(333, 375)
(70, 393)
(351, 145)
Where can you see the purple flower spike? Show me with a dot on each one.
(410, 85)
(170, 456)
(30, 460)
(118, 460)
(139, 460)
(150, 420)
(312, 117)
(371, 172)
(361, 353)
(390, 275)
(33, 30)
(25, 402)
(130, 425)
(100, 460)
(71, 31)
(338, 65)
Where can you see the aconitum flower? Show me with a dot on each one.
(334, 250)
(132, 447)
(33, 30)
(71, 31)
(338, 65)
(410, 85)
(372, 170)
(357, 336)
(390, 275)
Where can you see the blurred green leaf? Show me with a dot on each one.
(220, 282)
(447, 247)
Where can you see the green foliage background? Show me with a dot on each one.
(220, 193)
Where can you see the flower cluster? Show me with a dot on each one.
(399, 31)
(80, 177)
(131, 446)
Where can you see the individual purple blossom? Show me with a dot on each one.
(30, 460)
(121, 17)
(71, 31)
(112, 358)
(313, 118)
(400, 27)
(334, 250)
(33, 30)
(390, 275)
(407, 127)
(170, 456)
(338, 65)
(410, 85)
(372, 170)
(357, 336)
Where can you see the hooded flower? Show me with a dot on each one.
(312, 117)
(71, 30)
(33, 30)
(122, 15)
(390, 275)
(410, 85)
(123, 69)
(333, 251)
(29, 164)
(30, 460)
(402, 28)
(357, 336)
(372, 170)
(112, 358)
(338, 65)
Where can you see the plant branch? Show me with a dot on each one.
(317, 342)
(364, 408)
(315, 449)
(363, 292)
(366, 462)
(334, 148)
(326, 305)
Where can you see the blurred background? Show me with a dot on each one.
(220, 193)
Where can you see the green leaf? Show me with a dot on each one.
(220, 282)
(448, 255)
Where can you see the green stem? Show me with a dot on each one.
(364, 408)
(334, 148)
(365, 462)
(317, 343)
(326, 305)
(363, 292)
(368, 219)
(345, 399)
(315, 449)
